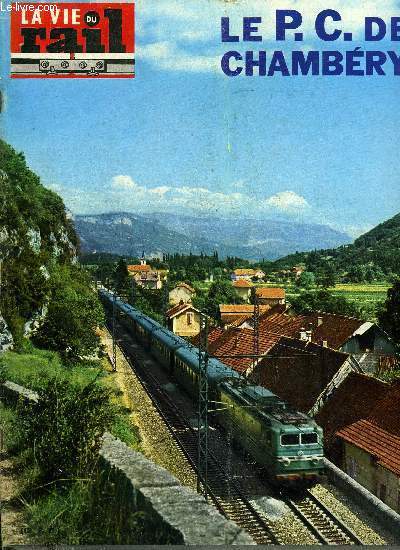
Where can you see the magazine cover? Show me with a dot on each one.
(199, 273)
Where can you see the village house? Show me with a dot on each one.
(233, 341)
(243, 288)
(371, 448)
(259, 274)
(181, 293)
(145, 276)
(183, 319)
(344, 402)
(296, 370)
(247, 274)
(271, 295)
(299, 371)
(365, 341)
(297, 270)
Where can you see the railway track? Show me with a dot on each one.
(323, 524)
(223, 492)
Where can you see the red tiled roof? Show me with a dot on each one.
(240, 309)
(241, 283)
(213, 335)
(270, 292)
(354, 399)
(239, 342)
(241, 272)
(179, 308)
(237, 320)
(334, 329)
(381, 444)
(386, 413)
(378, 433)
(283, 324)
(138, 268)
(298, 371)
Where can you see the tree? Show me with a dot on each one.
(306, 280)
(325, 301)
(389, 317)
(74, 314)
(326, 276)
(121, 275)
(221, 292)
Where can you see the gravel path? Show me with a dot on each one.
(12, 524)
(156, 441)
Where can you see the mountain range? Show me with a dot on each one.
(130, 234)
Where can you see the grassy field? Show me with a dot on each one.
(372, 293)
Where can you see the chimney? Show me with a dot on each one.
(319, 321)
(303, 334)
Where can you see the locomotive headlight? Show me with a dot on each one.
(315, 461)
(286, 461)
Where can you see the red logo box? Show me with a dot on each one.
(69, 40)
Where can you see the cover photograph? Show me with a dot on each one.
(199, 273)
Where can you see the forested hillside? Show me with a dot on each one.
(373, 256)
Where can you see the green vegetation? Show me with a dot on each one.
(56, 444)
(73, 315)
(220, 292)
(375, 256)
(389, 316)
(322, 300)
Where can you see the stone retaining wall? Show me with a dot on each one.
(182, 514)
(12, 392)
(146, 500)
(369, 502)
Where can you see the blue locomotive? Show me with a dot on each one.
(287, 443)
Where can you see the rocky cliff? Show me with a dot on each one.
(35, 236)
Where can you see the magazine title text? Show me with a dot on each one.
(335, 61)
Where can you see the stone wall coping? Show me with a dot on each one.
(180, 507)
(21, 391)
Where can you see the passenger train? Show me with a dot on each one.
(287, 443)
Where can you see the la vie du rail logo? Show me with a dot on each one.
(72, 40)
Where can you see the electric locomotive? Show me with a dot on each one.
(286, 442)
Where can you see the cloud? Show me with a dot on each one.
(123, 182)
(127, 193)
(287, 201)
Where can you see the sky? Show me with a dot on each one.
(183, 137)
